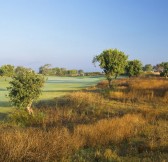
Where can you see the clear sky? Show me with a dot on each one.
(69, 33)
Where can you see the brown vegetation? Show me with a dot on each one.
(127, 123)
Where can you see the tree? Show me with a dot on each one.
(164, 65)
(81, 72)
(45, 70)
(148, 67)
(24, 88)
(59, 71)
(7, 70)
(133, 68)
(112, 62)
(20, 69)
(158, 68)
(72, 72)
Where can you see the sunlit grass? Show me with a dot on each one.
(94, 124)
(54, 87)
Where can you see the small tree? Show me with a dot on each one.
(133, 68)
(45, 70)
(165, 69)
(148, 68)
(24, 88)
(112, 62)
(81, 72)
(7, 70)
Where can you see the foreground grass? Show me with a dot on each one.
(127, 123)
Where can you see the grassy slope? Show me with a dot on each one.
(54, 87)
(127, 123)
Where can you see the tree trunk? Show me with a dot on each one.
(110, 83)
(29, 109)
(116, 76)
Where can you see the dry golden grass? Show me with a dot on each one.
(59, 144)
(109, 131)
(141, 89)
(148, 83)
(37, 145)
(104, 125)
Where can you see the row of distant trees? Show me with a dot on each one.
(56, 71)
(10, 70)
(132, 68)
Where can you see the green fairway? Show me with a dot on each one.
(54, 87)
(57, 86)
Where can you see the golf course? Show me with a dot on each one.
(53, 87)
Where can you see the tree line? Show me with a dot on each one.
(114, 62)
(133, 68)
(56, 71)
(10, 70)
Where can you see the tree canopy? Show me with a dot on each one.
(7, 70)
(113, 63)
(45, 70)
(164, 72)
(25, 87)
(148, 67)
(133, 68)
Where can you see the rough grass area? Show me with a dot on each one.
(96, 124)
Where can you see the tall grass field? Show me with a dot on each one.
(82, 120)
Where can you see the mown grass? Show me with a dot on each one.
(95, 124)
(54, 87)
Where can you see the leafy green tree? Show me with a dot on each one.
(158, 68)
(7, 70)
(19, 69)
(59, 71)
(24, 88)
(72, 72)
(148, 67)
(112, 62)
(45, 70)
(133, 68)
(164, 65)
(63, 71)
(81, 72)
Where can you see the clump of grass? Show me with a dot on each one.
(37, 145)
(23, 119)
(140, 90)
(157, 135)
(109, 131)
(86, 102)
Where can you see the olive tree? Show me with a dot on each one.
(7, 70)
(148, 68)
(133, 68)
(165, 69)
(113, 63)
(45, 70)
(24, 88)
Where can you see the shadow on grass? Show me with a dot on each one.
(3, 116)
(60, 90)
(46, 103)
(3, 89)
(5, 104)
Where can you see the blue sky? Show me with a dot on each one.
(69, 33)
